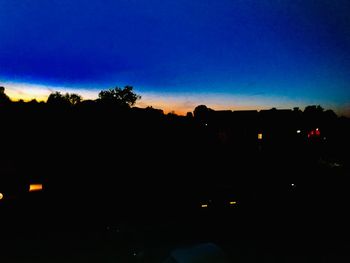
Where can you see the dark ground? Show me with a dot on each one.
(129, 188)
(272, 222)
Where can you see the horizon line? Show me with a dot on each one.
(178, 103)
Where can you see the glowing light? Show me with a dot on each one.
(292, 185)
(35, 187)
(204, 206)
(260, 136)
(314, 133)
(298, 131)
(233, 202)
(1, 196)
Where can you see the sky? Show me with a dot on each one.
(226, 54)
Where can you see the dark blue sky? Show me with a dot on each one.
(226, 53)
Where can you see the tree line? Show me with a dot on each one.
(118, 97)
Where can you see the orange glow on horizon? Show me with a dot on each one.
(171, 102)
(182, 107)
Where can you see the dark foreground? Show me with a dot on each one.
(240, 241)
(135, 186)
(287, 220)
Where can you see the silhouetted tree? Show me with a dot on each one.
(171, 113)
(189, 115)
(89, 103)
(313, 114)
(3, 97)
(73, 98)
(33, 101)
(330, 114)
(313, 109)
(119, 97)
(202, 113)
(57, 99)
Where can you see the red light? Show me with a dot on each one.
(313, 133)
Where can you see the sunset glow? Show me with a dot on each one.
(228, 55)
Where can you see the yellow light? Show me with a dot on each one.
(204, 206)
(260, 136)
(1, 196)
(35, 187)
(233, 202)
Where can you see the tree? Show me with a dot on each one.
(189, 115)
(73, 98)
(33, 102)
(313, 115)
(330, 115)
(119, 97)
(56, 98)
(202, 113)
(313, 109)
(3, 97)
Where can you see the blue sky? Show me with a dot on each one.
(226, 54)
